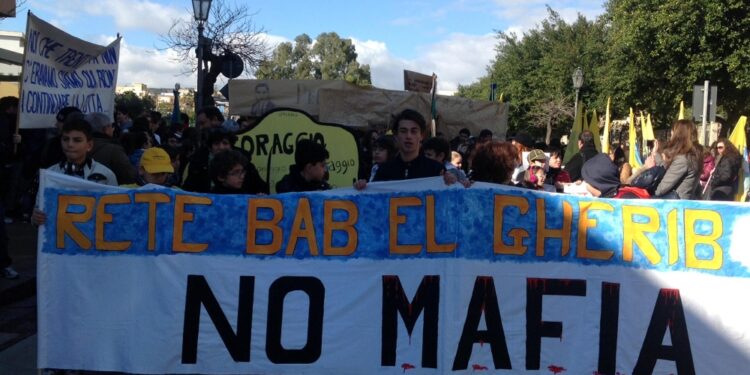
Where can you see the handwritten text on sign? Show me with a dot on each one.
(61, 70)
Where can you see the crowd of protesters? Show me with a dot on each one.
(133, 150)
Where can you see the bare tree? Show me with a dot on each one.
(230, 30)
(549, 113)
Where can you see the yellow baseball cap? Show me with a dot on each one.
(156, 160)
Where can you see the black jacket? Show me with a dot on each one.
(294, 182)
(724, 181)
(575, 164)
(398, 169)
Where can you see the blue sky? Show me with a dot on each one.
(452, 38)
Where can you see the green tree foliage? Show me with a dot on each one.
(659, 49)
(134, 104)
(329, 58)
(534, 71)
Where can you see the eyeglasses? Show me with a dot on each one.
(237, 173)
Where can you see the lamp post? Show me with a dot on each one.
(200, 11)
(577, 84)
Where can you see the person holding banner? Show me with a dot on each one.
(76, 143)
(52, 152)
(410, 128)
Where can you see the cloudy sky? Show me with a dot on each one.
(453, 38)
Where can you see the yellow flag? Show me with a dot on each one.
(633, 155)
(681, 115)
(648, 129)
(739, 140)
(572, 147)
(594, 128)
(605, 143)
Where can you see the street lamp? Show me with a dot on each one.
(577, 84)
(200, 11)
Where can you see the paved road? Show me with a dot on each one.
(18, 337)
(18, 305)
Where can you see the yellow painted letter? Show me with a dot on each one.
(253, 225)
(347, 226)
(542, 232)
(303, 217)
(432, 245)
(635, 233)
(181, 217)
(692, 239)
(502, 201)
(152, 199)
(102, 217)
(396, 219)
(66, 219)
(584, 224)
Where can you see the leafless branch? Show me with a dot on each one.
(230, 28)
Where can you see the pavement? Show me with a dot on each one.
(22, 249)
(18, 304)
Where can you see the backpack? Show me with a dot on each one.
(632, 192)
(649, 179)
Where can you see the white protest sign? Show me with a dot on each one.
(61, 70)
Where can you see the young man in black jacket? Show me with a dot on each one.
(409, 127)
(308, 173)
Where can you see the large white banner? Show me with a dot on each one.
(60, 70)
(409, 277)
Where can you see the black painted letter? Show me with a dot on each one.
(536, 328)
(427, 298)
(313, 345)
(199, 293)
(483, 300)
(668, 313)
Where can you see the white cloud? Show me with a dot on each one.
(155, 68)
(525, 15)
(142, 15)
(459, 59)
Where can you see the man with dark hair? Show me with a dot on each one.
(308, 173)
(485, 135)
(463, 136)
(52, 152)
(587, 151)
(76, 143)
(209, 117)
(409, 127)
(123, 120)
(263, 103)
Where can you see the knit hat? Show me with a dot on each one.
(601, 173)
(156, 160)
(536, 154)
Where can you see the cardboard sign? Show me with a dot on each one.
(271, 146)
